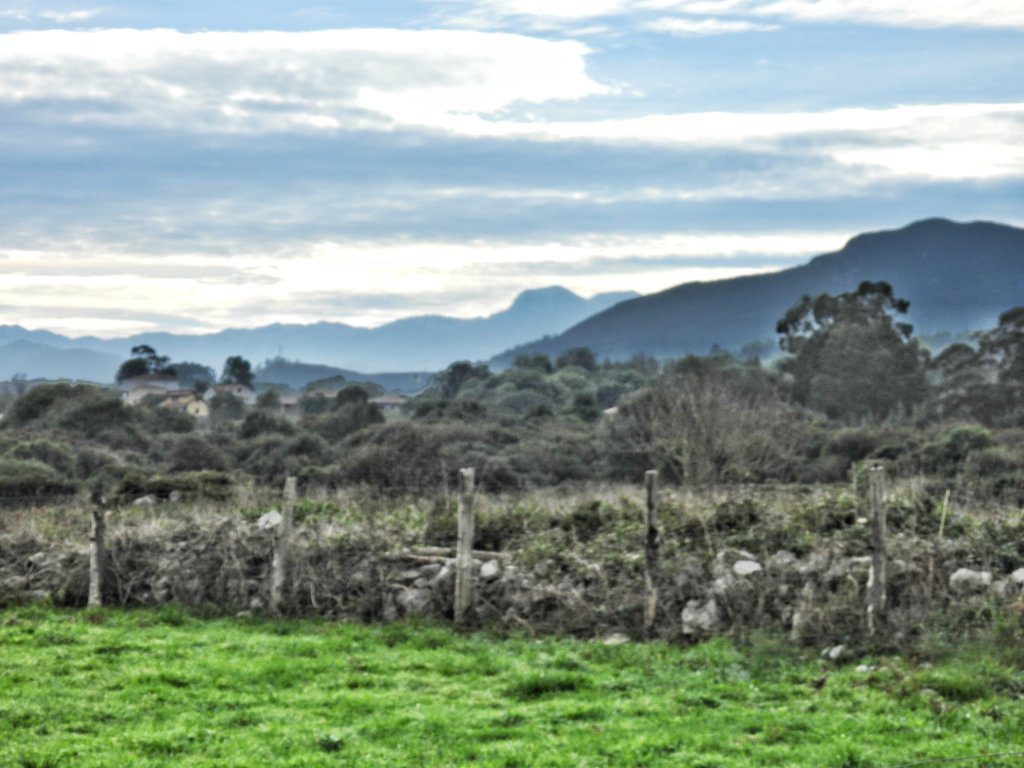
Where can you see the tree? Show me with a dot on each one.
(706, 420)
(985, 382)
(194, 375)
(849, 358)
(144, 360)
(538, 362)
(237, 370)
(451, 379)
(226, 407)
(580, 357)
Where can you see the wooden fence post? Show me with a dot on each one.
(651, 545)
(97, 555)
(464, 549)
(282, 545)
(877, 576)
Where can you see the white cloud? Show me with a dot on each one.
(460, 83)
(909, 13)
(272, 81)
(56, 17)
(68, 17)
(701, 27)
(940, 141)
(53, 286)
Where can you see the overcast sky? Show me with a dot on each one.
(190, 166)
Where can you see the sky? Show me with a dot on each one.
(191, 166)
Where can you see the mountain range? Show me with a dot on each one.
(425, 343)
(957, 277)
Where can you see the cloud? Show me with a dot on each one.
(281, 81)
(401, 278)
(898, 13)
(701, 27)
(463, 84)
(52, 16)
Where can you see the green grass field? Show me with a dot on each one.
(149, 688)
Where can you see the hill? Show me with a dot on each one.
(424, 343)
(958, 277)
(42, 361)
(297, 375)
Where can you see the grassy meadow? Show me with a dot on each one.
(162, 688)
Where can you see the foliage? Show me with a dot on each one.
(30, 480)
(849, 358)
(144, 360)
(237, 370)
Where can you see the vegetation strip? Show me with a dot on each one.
(155, 688)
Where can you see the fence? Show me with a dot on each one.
(462, 557)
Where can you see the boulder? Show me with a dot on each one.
(268, 521)
(701, 618)
(414, 602)
(490, 570)
(1002, 589)
(783, 560)
(835, 653)
(145, 501)
(616, 638)
(744, 568)
(1017, 577)
(966, 581)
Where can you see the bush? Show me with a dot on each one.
(22, 479)
(191, 453)
(262, 422)
(217, 486)
(58, 456)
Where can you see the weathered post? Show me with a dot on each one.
(464, 549)
(97, 555)
(877, 575)
(282, 545)
(651, 545)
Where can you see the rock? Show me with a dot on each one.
(1002, 589)
(430, 570)
(725, 560)
(409, 576)
(414, 602)
(490, 570)
(616, 638)
(866, 668)
(701, 618)
(444, 574)
(834, 653)
(746, 567)
(782, 560)
(1017, 577)
(13, 585)
(145, 501)
(965, 581)
(42, 561)
(270, 520)
(814, 563)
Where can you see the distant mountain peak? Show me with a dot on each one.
(957, 276)
(545, 298)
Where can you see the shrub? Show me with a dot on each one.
(261, 422)
(55, 455)
(191, 453)
(21, 479)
